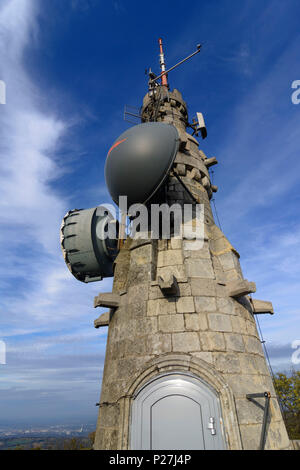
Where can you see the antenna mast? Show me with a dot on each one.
(164, 79)
(153, 79)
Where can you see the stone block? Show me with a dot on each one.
(250, 436)
(229, 261)
(212, 341)
(245, 383)
(204, 356)
(145, 325)
(234, 342)
(227, 363)
(137, 309)
(203, 287)
(168, 285)
(103, 320)
(110, 415)
(210, 162)
(239, 288)
(178, 271)
(219, 322)
(107, 440)
(205, 304)
(251, 328)
(226, 305)
(176, 244)
(161, 307)
(137, 347)
(261, 365)
(169, 258)
(250, 412)
(171, 323)
(253, 345)
(185, 342)
(202, 253)
(139, 291)
(261, 306)
(201, 268)
(238, 324)
(141, 255)
(184, 289)
(192, 322)
(159, 344)
(108, 300)
(185, 305)
(249, 364)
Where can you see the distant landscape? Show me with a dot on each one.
(57, 437)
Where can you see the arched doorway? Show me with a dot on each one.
(176, 411)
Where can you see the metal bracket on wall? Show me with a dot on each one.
(266, 408)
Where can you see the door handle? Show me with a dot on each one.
(211, 426)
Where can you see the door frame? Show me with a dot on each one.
(194, 386)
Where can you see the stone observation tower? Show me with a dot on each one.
(184, 365)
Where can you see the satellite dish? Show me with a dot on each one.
(87, 243)
(139, 161)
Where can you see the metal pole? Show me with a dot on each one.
(265, 421)
(179, 63)
(164, 79)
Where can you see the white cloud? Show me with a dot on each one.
(39, 290)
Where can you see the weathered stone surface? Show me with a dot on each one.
(178, 271)
(176, 244)
(234, 342)
(227, 363)
(138, 292)
(161, 306)
(109, 300)
(250, 412)
(251, 436)
(168, 285)
(205, 304)
(171, 323)
(203, 287)
(226, 305)
(253, 345)
(248, 363)
(103, 320)
(212, 341)
(185, 305)
(210, 162)
(192, 322)
(159, 344)
(240, 288)
(204, 356)
(185, 342)
(201, 268)
(141, 255)
(262, 306)
(169, 258)
(219, 322)
(238, 325)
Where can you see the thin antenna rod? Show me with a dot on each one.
(163, 76)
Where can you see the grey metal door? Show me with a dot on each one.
(176, 411)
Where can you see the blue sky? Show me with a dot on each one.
(70, 67)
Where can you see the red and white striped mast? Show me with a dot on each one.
(164, 78)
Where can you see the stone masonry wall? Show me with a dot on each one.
(199, 322)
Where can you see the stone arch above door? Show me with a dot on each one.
(173, 411)
(189, 364)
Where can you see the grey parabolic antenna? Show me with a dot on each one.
(140, 160)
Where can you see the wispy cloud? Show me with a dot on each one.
(42, 306)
